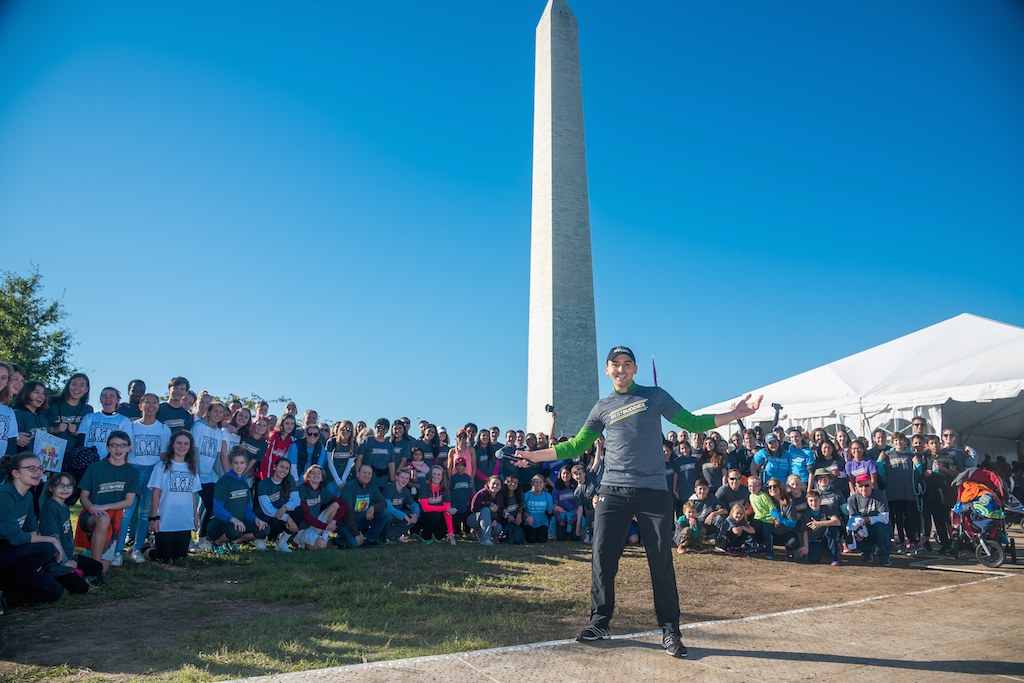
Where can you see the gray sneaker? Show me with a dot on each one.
(673, 645)
(592, 632)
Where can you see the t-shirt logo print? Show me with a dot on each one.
(147, 446)
(98, 432)
(181, 482)
(208, 447)
(626, 411)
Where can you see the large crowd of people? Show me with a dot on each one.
(157, 480)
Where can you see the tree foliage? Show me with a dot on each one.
(32, 331)
(250, 401)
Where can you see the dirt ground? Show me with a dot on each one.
(110, 640)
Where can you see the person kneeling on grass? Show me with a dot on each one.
(318, 514)
(234, 520)
(278, 495)
(689, 533)
(822, 530)
(735, 537)
(869, 521)
(74, 572)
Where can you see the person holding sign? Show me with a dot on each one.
(109, 487)
(30, 408)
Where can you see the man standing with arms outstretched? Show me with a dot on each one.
(634, 485)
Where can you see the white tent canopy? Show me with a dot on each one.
(966, 373)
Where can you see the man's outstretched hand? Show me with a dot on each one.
(745, 407)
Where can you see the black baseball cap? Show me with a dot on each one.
(619, 350)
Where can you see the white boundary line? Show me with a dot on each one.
(568, 641)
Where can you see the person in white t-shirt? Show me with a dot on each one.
(212, 460)
(150, 438)
(175, 483)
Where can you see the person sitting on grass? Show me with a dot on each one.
(512, 515)
(869, 521)
(485, 510)
(367, 504)
(318, 513)
(761, 508)
(401, 505)
(708, 508)
(75, 573)
(735, 538)
(109, 487)
(785, 521)
(234, 520)
(539, 504)
(23, 551)
(822, 530)
(436, 507)
(689, 534)
(278, 495)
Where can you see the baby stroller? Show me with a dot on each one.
(979, 520)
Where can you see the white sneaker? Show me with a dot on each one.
(193, 547)
(260, 544)
(204, 544)
(137, 557)
(117, 561)
(282, 547)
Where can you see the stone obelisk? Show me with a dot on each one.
(563, 362)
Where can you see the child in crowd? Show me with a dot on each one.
(175, 483)
(689, 534)
(736, 535)
(708, 508)
(512, 516)
(278, 495)
(75, 573)
(437, 508)
(401, 505)
(822, 530)
(538, 504)
(418, 470)
(461, 486)
(564, 497)
(109, 487)
(234, 520)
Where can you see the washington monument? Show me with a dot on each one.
(563, 362)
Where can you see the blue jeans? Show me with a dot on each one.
(369, 528)
(138, 514)
(880, 535)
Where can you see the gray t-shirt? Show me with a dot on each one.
(633, 454)
(899, 475)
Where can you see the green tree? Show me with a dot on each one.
(32, 331)
(250, 401)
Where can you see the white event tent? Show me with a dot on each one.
(965, 373)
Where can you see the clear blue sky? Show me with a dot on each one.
(331, 201)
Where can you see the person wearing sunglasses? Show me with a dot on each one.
(868, 528)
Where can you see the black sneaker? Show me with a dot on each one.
(96, 581)
(674, 645)
(592, 632)
(869, 558)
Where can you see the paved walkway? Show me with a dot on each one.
(971, 632)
